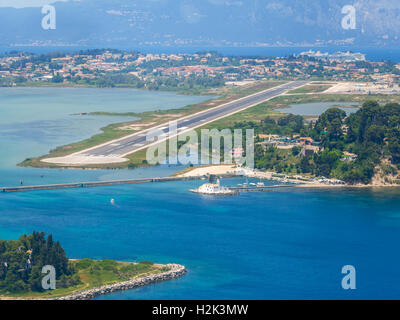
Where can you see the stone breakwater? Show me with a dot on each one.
(175, 271)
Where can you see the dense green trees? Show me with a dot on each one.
(329, 126)
(21, 263)
(372, 134)
(287, 125)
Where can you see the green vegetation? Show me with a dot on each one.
(21, 263)
(372, 135)
(279, 161)
(312, 88)
(287, 125)
(192, 84)
(271, 107)
(286, 100)
(99, 273)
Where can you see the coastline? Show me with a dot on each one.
(228, 170)
(175, 271)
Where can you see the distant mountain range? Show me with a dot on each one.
(208, 23)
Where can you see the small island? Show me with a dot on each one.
(22, 260)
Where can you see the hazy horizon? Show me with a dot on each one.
(195, 23)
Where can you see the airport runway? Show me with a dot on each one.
(136, 142)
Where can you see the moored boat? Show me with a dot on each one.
(214, 189)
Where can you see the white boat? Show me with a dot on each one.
(260, 184)
(214, 189)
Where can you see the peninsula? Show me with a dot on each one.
(21, 263)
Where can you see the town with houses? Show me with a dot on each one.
(109, 68)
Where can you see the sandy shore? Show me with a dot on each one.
(206, 170)
(78, 160)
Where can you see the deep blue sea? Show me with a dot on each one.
(286, 244)
(282, 244)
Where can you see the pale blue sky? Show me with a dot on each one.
(27, 3)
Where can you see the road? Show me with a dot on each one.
(138, 141)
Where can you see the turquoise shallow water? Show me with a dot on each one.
(285, 243)
(35, 120)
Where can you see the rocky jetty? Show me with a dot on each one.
(175, 271)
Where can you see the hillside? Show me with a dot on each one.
(199, 23)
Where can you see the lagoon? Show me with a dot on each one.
(35, 120)
(317, 108)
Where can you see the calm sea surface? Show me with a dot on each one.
(285, 243)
